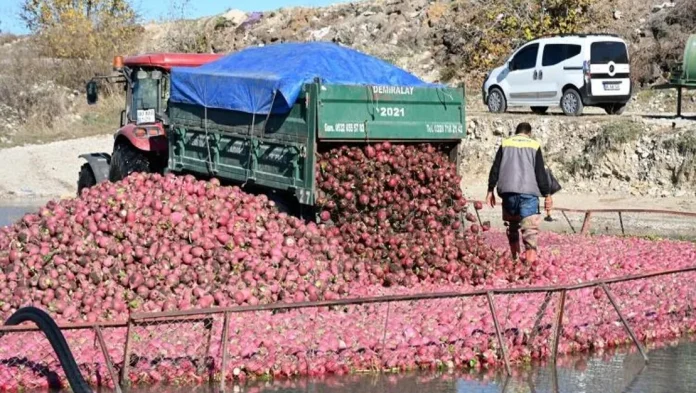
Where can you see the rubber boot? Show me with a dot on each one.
(515, 250)
(530, 256)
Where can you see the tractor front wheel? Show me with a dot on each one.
(86, 178)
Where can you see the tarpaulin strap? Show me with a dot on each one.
(268, 115)
(209, 162)
(445, 94)
(371, 103)
(374, 103)
(251, 147)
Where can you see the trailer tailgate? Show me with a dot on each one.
(392, 113)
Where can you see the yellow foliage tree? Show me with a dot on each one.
(507, 22)
(81, 29)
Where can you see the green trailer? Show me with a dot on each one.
(279, 152)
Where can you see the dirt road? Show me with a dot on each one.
(41, 172)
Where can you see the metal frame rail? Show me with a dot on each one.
(589, 213)
(205, 316)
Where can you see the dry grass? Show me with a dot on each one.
(86, 120)
(43, 98)
(6, 38)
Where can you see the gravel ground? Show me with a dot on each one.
(39, 172)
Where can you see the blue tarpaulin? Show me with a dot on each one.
(269, 79)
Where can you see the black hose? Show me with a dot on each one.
(57, 340)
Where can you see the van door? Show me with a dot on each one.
(521, 81)
(561, 64)
(609, 69)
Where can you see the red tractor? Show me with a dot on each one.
(140, 144)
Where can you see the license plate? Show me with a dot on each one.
(145, 116)
(612, 86)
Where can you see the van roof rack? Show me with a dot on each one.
(576, 35)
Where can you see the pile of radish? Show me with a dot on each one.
(399, 210)
(392, 222)
(158, 243)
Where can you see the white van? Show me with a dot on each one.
(570, 71)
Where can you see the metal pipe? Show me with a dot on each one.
(384, 333)
(555, 388)
(125, 380)
(559, 327)
(506, 383)
(397, 298)
(107, 359)
(586, 223)
(168, 320)
(568, 221)
(625, 323)
(65, 326)
(679, 102)
(651, 211)
(208, 325)
(225, 338)
(195, 315)
(501, 343)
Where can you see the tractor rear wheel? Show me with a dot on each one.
(126, 160)
(86, 178)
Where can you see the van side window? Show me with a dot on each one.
(556, 53)
(525, 58)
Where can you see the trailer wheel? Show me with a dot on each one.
(86, 178)
(126, 160)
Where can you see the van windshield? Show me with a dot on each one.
(608, 51)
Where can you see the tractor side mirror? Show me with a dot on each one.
(92, 92)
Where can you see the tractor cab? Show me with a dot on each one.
(140, 143)
(146, 83)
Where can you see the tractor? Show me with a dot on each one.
(140, 143)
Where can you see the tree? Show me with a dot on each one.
(508, 23)
(41, 14)
(82, 29)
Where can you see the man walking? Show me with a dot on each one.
(519, 173)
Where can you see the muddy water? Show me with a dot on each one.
(13, 212)
(671, 370)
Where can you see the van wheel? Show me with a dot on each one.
(540, 110)
(615, 109)
(496, 101)
(571, 103)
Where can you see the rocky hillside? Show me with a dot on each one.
(450, 41)
(630, 155)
